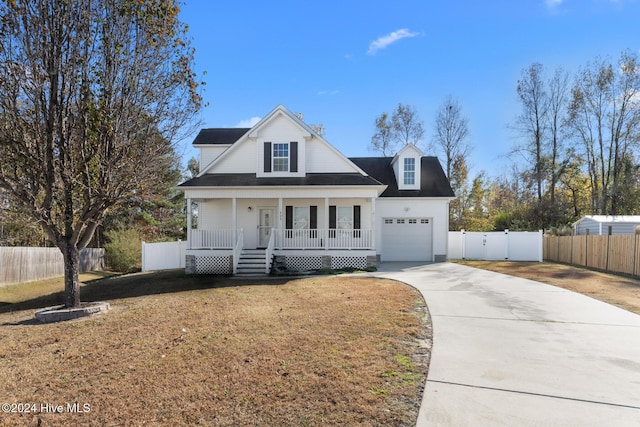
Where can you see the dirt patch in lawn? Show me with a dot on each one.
(178, 350)
(620, 291)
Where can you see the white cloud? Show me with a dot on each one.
(328, 92)
(247, 123)
(384, 41)
(551, 4)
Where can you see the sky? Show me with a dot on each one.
(343, 63)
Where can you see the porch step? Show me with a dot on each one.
(252, 262)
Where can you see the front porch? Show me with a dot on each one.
(223, 251)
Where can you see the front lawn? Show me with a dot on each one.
(179, 350)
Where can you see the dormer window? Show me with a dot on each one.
(280, 157)
(409, 171)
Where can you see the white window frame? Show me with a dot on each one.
(409, 171)
(277, 147)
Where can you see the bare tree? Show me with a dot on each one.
(451, 133)
(404, 127)
(531, 122)
(605, 115)
(559, 92)
(93, 92)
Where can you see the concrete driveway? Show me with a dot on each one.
(514, 352)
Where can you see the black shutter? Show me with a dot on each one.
(267, 157)
(356, 221)
(293, 147)
(332, 221)
(313, 221)
(288, 217)
(313, 217)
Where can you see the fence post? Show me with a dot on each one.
(540, 248)
(464, 239)
(635, 253)
(143, 257)
(506, 235)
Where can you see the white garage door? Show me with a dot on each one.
(407, 239)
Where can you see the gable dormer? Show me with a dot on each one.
(281, 144)
(406, 166)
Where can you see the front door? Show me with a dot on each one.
(267, 222)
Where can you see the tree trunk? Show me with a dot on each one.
(71, 256)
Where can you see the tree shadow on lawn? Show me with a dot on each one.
(137, 285)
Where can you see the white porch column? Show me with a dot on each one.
(373, 222)
(326, 224)
(279, 240)
(234, 220)
(188, 223)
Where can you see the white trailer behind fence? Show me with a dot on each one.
(163, 255)
(496, 245)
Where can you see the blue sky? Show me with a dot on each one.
(343, 63)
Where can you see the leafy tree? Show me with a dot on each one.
(92, 94)
(381, 140)
(459, 184)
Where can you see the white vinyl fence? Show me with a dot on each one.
(25, 264)
(496, 245)
(163, 255)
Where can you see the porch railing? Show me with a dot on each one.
(288, 239)
(213, 239)
(324, 239)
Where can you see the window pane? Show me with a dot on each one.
(301, 218)
(280, 165)
(345, 217)
(280, 157)
(409, 171)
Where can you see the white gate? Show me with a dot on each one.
(496, 245)
(163, 255)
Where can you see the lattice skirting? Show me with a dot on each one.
(338, 262)
(303, 263)
(214, 265)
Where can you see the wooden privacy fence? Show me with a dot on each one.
(26, 264)
(616, 253)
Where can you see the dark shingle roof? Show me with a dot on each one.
(250, 180)
(433, 181)
(219, 135)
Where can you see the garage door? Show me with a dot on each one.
(407, 239)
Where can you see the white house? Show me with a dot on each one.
(606, 224)
(279, 191)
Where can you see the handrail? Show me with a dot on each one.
(269, 251)
(237, 250)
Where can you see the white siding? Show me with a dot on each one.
(210, 153)
(321, 159)
(280, 130)
(239, 159)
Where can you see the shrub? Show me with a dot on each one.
(124, 251)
